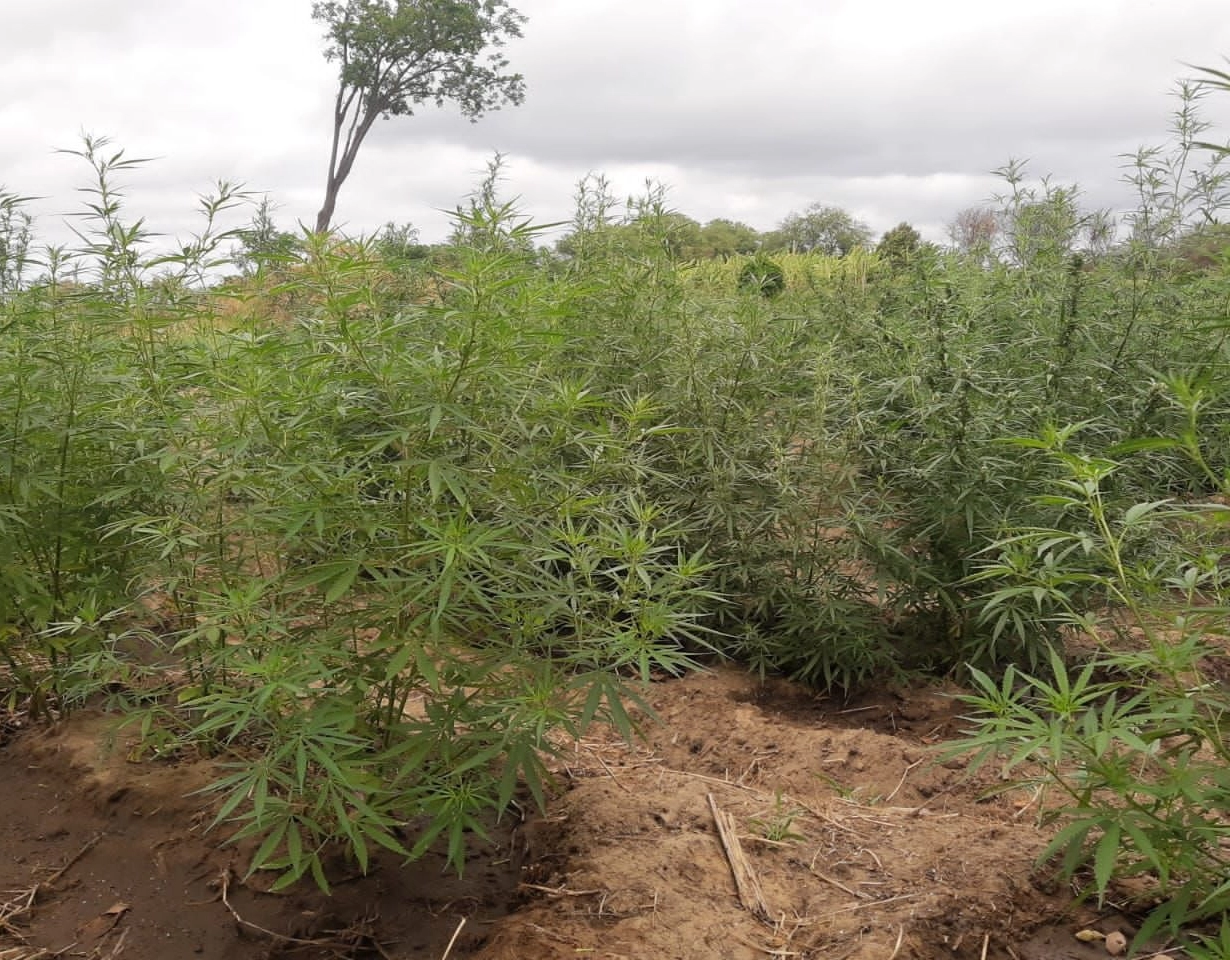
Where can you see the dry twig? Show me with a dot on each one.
(17, 907)
(559, 891)
(897, 945)
(901, 783)
(864, 905)
(746, 881)
(332, 943)
(456, 934)
(857, 894)
(611, 773)
(23, 902)
(89, 845)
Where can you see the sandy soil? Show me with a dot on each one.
(854, 843)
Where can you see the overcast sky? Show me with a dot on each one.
(893, 109)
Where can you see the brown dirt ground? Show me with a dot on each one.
(865, 847)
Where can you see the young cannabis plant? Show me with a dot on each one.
(777, 825)
(1133, 740)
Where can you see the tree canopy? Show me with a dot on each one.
(899, 245)
(975, 231)
(726, 238)
(395, 55)
(821, 228)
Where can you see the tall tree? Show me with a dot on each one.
(823, 229)
(395, 55)
(975, 231)
(726, 238)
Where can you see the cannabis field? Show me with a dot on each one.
(376, 540)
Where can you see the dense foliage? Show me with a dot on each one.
(371, 522)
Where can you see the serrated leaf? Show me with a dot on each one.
(426, 666)
(322, 573)
(342, 582)
(288, 879)
(264, 853)
(234, 800)
(1134, 513)
(1070, 838)
(359, 845)
(1145, 444)
(398, 661)
(1144, 846)
(1105, 857)
(318, 872)
(388, 841)
(435, 481)
(294, 848)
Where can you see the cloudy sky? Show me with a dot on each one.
(894, 109)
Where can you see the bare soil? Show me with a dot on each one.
(853, 842)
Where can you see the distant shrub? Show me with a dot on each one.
(899, 245)
(762, 275)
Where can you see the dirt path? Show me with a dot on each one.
(861, 845)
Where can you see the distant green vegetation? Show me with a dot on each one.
(372, 520)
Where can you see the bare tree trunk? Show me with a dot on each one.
(340, 167)
(332, 182)
(325, 216)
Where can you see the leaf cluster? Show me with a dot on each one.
(395, 55)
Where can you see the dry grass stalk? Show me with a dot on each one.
(456, 934)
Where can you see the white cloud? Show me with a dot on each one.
(894, 109)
